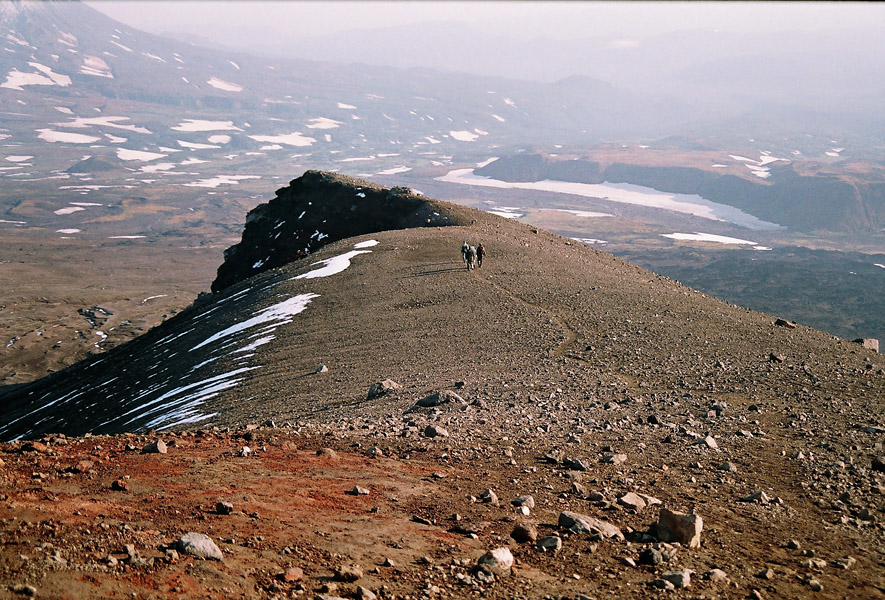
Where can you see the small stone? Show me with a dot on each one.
(382, 388)
(155, 447)
(322, 369)
(651, 556)
(844, 563)
(794, 545)
(680, 527)
(818, 564)
(348, 573)
(728, 466)
(579, 523)
(432, 431)
(25, 590)
(628, 561)
(716, 575)
(291, 575)
(632, 500)
(815, 585)
(759, 496)
(766, 573)
(528, 501)
(224, 508)
(34, 447)
(358, 491)
(679, 579)
(497, 562)
(777, 358)
(614, 459)
(663, 584)
(364, 593)
(198, 545)
(879, 464)
(245, 451)
(489, 497)
(549, 543)
(524, 533)
(327, 452)
(120, 485)
(439, 398)
(709, 442)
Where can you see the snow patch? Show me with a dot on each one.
(224, 85)
(127, 154)
(289, 139)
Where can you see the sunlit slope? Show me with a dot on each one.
(401, 305)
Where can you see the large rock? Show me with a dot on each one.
(579, 523)
(680, 527)
(198, 545)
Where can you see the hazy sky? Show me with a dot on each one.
(524, 19)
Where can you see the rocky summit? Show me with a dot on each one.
(373, 419)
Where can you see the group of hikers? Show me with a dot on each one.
(472, 256)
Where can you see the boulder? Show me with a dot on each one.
(155, 447)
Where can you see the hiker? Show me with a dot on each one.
(471, 258)
(480, 252)
(464, 249)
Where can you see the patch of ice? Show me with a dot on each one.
(464, 135)
(623, 193)
(68, 210)
(346, 106)
(127, 154)
(157, 167)
(271, 317)
(500, 119)
(219, 139)
(323, 123)
(196, 146)
(224, 85)
(93, 65)
(509, 102)
(289, 139)
(583, 213)
(84, 122)
(707, 237)
(18, 159)
(366, 244)
(394, 170)
(67, 231)
(191, 125)
(214, 182)
(271, 147)
(121, 46)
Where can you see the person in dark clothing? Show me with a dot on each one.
(480, 252)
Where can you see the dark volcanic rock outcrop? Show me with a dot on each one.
(319, 208)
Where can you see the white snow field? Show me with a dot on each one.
(623, 193)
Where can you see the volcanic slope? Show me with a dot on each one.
(582, 378)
